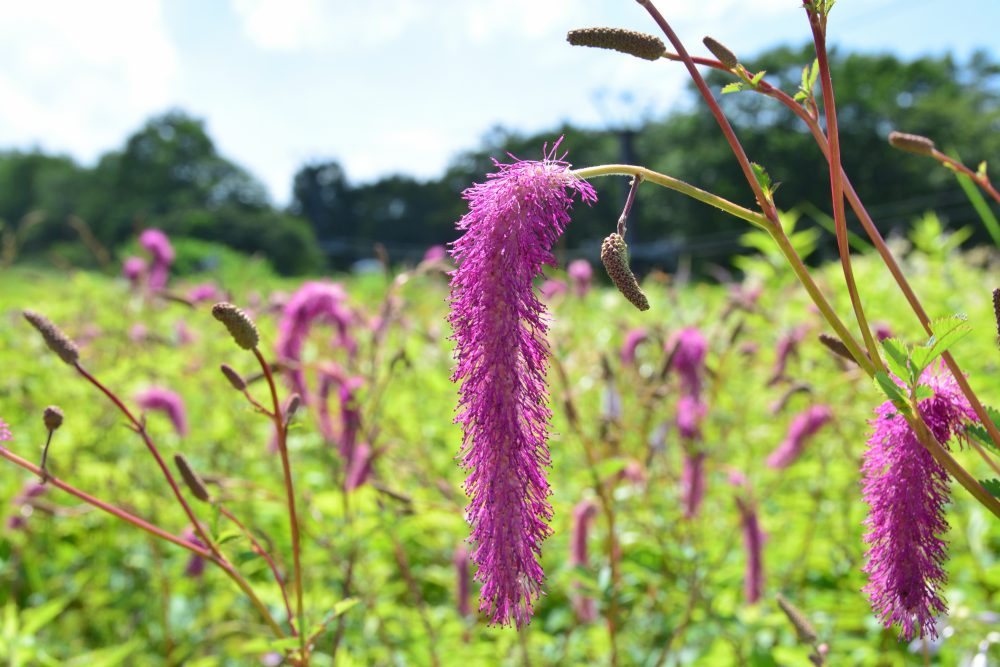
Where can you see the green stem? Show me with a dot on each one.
(755, 219)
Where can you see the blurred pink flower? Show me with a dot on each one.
(158, 245)
(167, 402)
(580, 274)
(803, 427)
(632, 341)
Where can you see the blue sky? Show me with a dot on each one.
(394, 86)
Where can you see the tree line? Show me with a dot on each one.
(169, 174)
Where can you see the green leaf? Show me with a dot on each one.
(763, 178)
(813, 74)
(979, 432)
(892, 391)
(947, 332)
(734, 87)
(36, 618)
(758, 76)
(923, 391)
(897, 357)
(992, 486)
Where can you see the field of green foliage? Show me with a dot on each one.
(78, 587)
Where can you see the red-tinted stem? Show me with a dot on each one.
(981, 180)
(293, 519)
(140, 428)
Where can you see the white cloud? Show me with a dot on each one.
(318, 25)
(78, 75)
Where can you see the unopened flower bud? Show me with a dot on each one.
(235, 379)
(614, 255)
(722, 54)
(803, 628)
(191, 479)
(911, 143)
(53, 417)
(638, 44)
(57, 341)
(239, 324)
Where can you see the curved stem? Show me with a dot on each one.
(755, 219)
(267, 557)
(142, 524)
(982, 181)
(140, 428)
(837, 184)
(293, 519)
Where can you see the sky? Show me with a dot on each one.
(394, 86)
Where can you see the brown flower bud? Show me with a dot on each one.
(721, 53)
(53, 417)
(239, 324)
(911, 143)
(57, 341)
(803, 628)
(836, 346)
(191, 479)
(235, 379)
(614, 255)
(638, 44)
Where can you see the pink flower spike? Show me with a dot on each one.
(580, 274)
(499, 329)
(167, 402)
(803, 427)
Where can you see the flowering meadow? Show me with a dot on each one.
(778, 514)
(494, 456)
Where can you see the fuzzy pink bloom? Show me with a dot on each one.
(461, 562)
(906, 492)
(632, 341)
(803, 427)
(314, 303)
(580, 274)
(134, 269)
(167, 402)
(690, 413)
(499, 329)
(753, 543)
(359, 466)
(158, 245)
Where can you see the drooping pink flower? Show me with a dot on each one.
(632, 341)
(461, 562)
(580, 274)
(753, 544)
(552, 288)
(314, 303)
(788, 346)
(158, 245)
(803, 427)
(583, 515)
(906, 491)
(690, 348)
(196, 564)
(359, 466)
(205, 292)
(693, 483)
(435, 253)
(499, 332)
(134, 269)
(690, 413)
(168, 402)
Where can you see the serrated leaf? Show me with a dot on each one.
(992, 486)
(734, 87)
(923, 391)
(763, 178)
(896, 357)
(947, 332)
(813, 74)
(979, 432)
(758, 76)
(892, 391)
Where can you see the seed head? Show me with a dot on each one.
(996, 310)
(57, 341)
(614, 255)
(638, 44)
(235, 379)
(239, 324)
(191, 479)
(724, 55)
(53, 417)
(803, 628)
(911, 143)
